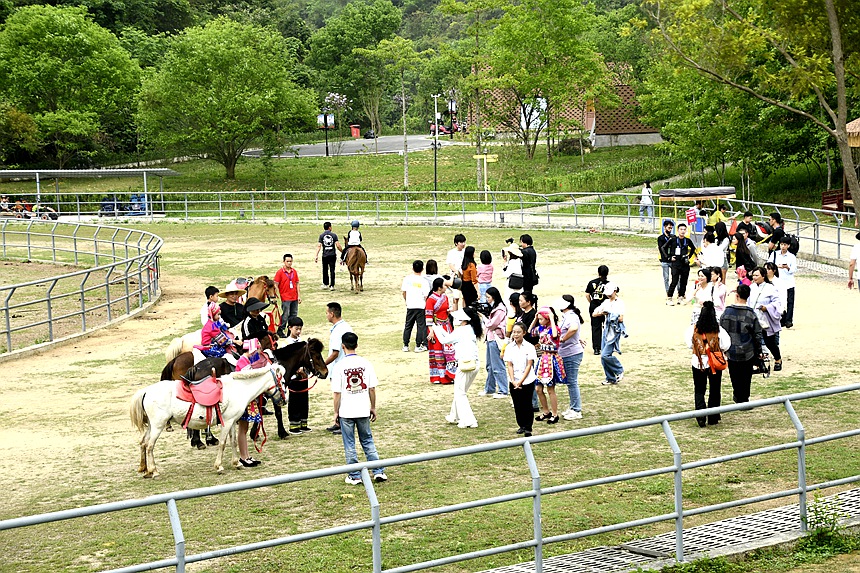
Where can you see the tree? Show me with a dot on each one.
(763, 48)
(340, 67)
(18, 131)
(540, 58)
(399, 57)
(71, 76)
(221, 88)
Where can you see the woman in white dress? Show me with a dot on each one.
(465, 340)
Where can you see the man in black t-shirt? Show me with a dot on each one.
(778, 232)
(329, 246)
(594, 294)
(749, 227)
(530, 276)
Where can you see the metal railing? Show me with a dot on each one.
(535, 492)
(120, 279)
(822, 233)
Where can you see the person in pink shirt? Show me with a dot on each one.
(485, 275)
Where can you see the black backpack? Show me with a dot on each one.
(794, 245)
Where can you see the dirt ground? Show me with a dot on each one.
(82, 389)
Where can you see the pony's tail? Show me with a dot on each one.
(167, 373)
(173, 350)
(136, 411)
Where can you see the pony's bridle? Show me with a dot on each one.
(279, 386)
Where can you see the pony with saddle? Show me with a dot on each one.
(197, 406)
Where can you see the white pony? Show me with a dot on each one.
(156, 405)
(182, 344)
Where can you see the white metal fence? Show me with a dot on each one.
(535, 491)
(120, 278)
(822, 233)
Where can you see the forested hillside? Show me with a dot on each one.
(758, 84)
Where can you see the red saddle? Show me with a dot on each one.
(206, 392)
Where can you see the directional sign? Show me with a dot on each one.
(489, 158)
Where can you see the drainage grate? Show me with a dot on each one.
(708, 537)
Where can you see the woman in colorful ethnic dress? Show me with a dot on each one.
(441, 356)
(253, 357)
(215, 337)
(550, 368)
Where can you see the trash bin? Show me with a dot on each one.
(355, 131)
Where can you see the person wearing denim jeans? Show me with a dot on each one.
(354, 383)
(571, 352)
(497, 376)
(613, 309)
(665, 260)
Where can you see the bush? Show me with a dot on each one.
(572, 146)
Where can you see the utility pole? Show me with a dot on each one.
(436, 142)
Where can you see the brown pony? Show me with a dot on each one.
(263, 288)
(355, 261)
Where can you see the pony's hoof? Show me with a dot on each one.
(213, 441)
(220, 469)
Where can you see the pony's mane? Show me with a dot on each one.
(315, 344)
(250, 373)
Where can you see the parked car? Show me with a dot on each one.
(370, 134)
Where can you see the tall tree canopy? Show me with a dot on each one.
(763, 48)
(539, 56)
(221, 88)
(71, 76)
(339, 67)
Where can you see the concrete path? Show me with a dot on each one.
(732, 536)
(386, 144)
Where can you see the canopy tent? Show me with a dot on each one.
(56, 174)
(697, 194)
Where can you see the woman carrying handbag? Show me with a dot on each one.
(709, 342)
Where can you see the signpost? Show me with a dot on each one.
(488, 158)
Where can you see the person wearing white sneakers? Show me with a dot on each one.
(353, 382)
(465, 340)
(415, 291)
(571, 352)
(678, 250)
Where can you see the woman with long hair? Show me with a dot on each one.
(764, 300)
(469, 288)
(743, 256)
(440, 356)
(571, 350)
(464, 338)
(707, 334)
(497, 379)
(613, 309)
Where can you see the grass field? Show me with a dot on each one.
(80, 450)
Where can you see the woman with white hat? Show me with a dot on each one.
(513, 270)
(232, 311)
(465, 340)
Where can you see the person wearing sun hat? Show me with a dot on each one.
(232, 311)
(571, 351)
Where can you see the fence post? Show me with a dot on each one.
(679, 492)
(522, 211)
(186, 207)
(84, 302)
(374, 516)
(8, 320)
(178, 536)
(801, 463)
(220, 209)
(284, 195)
(376, 196)
(463, 205)
(107, 292)
(50, 310)
(536, 509)
(253, 213)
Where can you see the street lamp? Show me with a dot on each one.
(436, 142)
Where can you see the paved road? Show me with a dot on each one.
(386, 143)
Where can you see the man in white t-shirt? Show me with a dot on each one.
(454, 261)
(414, 290)
(855, 254)
(339, 327)
(786, 262)
(353, 382)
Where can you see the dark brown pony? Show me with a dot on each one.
(298, 356)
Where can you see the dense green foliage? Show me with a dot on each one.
(743, 82)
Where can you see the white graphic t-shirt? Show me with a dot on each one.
(352, 378)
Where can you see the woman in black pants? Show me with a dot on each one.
(704, 335)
